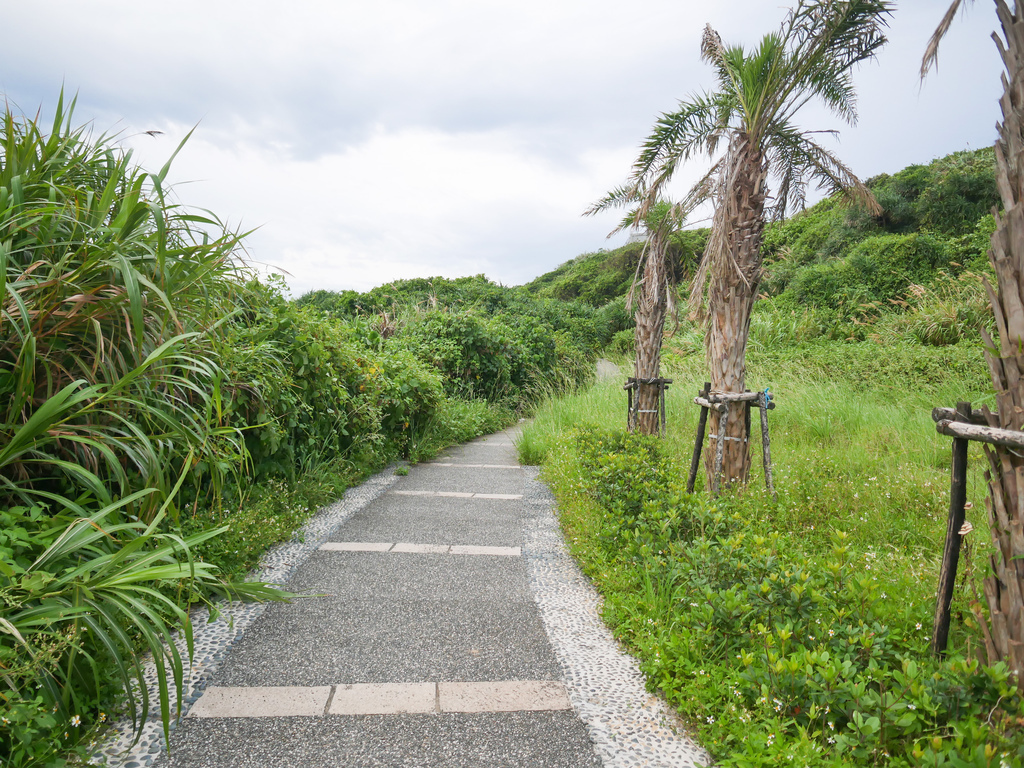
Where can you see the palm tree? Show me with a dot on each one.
(651, 293)
(1004, 590)
(751, 112)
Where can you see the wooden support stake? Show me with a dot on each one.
(733, 397)
(719, 453)
(702, 424)
(950, 414)
(766, 451)
(951, 552)
(662, 389)
(630, 426)
(746, 418)
(704, 403)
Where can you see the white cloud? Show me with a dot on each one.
(406, 203)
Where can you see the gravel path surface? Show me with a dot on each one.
(457, 572)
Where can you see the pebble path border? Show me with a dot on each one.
(630, 727)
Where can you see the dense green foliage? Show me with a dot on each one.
(166, 418)
(851, 267)
(485, 340)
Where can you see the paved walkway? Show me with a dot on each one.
(425, 644)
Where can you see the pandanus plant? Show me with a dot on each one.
(98, 271)
(109, 298)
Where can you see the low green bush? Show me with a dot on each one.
(476, 356)
(876, 270)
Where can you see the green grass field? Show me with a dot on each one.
(783, 629)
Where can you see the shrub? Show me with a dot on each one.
(878, 269)
(475, 355)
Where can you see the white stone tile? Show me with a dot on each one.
(421, 549)
(503, 696)
(462, 549)
(384, 699)
(279, 701)
(357, 546)
(476, 466)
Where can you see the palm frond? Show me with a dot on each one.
(931, 51)
(825, 41)
(798, 159)
(696, 127)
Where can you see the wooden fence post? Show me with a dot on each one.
(951, 552)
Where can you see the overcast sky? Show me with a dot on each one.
(366, 142)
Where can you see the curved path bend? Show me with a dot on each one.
(449, 627)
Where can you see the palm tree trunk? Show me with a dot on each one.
(652, 306)
(1005, 589)
(735, 274)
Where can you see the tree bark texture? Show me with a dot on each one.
(734, 276)
(651, 297)
(1004, 589)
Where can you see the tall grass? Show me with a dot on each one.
(857, 452)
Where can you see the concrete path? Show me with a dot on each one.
(448, 627)
(425, 646)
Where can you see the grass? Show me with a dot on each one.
(845, 452)
(863, 483)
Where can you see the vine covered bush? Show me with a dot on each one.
(166, 417)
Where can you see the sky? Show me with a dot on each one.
(366, 142)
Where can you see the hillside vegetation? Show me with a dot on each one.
(795, 630)
(834, 271)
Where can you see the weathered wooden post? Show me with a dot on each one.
(951, 551)
(766, 451)
(702, 425)
(630, 416)
(719, 402)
